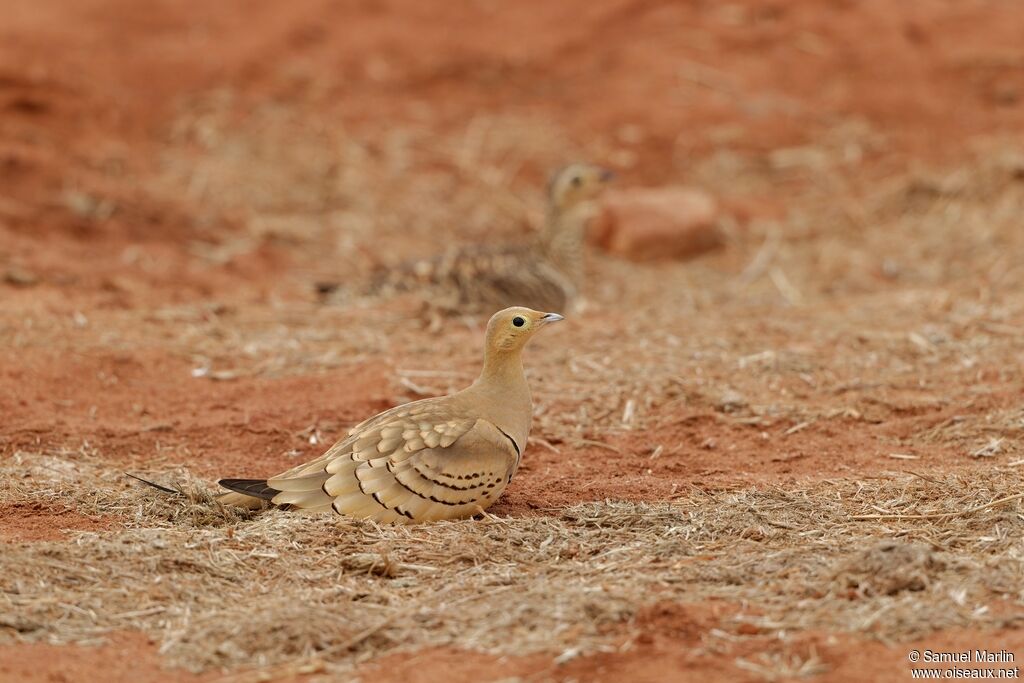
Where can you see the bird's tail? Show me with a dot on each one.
(158, 487)
(251, 501)
(246, 493)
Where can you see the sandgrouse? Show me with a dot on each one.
(545, 274)
(438, 458)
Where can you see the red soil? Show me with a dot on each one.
(125, 658)
(42, 522)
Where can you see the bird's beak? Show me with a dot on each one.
(551, 318)
(606, 176)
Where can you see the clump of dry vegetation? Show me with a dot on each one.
(891, 557)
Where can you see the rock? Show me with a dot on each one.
(889, 567)
(730, 401)
(645, 224)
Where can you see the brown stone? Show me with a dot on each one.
(645, 224)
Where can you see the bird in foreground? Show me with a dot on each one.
(437, 458)
(545, 274)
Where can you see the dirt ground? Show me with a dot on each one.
(718, 444)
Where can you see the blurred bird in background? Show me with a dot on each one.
(545, 273)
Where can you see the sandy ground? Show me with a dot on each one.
(174, 179)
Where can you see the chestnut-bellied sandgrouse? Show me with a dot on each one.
(438, 458)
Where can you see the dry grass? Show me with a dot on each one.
(220, 589)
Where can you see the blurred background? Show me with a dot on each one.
(162, 153)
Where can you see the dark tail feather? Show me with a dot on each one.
(158, 487)
(257, 488)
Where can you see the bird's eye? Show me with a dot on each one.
(576, 181)
(518, 321)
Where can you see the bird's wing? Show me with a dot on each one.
(482, 278)
(416, 463)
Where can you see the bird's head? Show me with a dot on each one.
(576, 184)
(511, 328)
